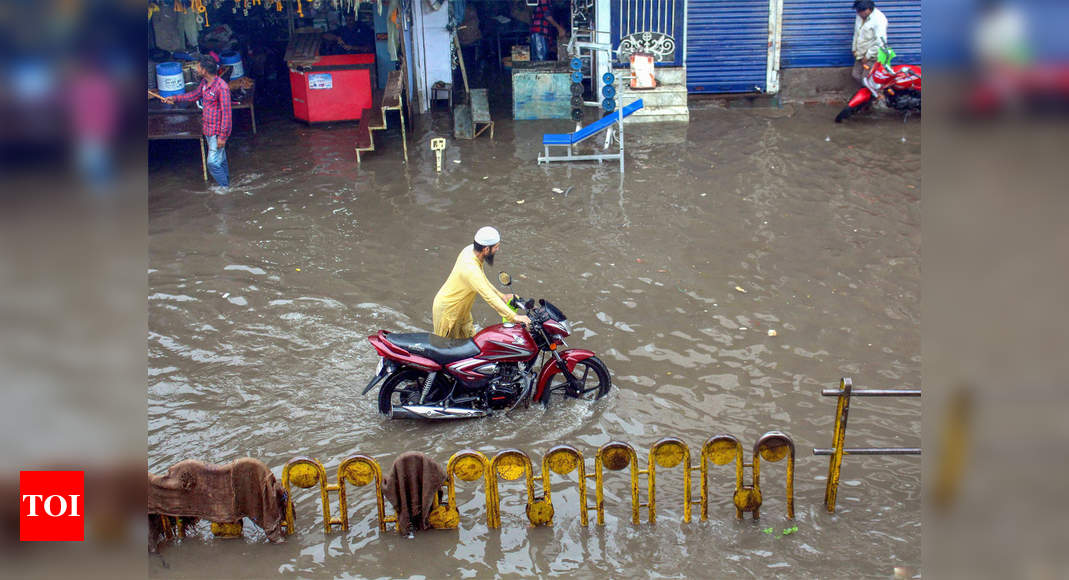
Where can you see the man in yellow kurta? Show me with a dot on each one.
(452, 304)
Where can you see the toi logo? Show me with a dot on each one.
(51, 506)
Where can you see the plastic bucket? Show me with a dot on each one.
(169, 79)
(232, 58)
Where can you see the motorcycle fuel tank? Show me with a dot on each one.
(505, 342)
(498, 343)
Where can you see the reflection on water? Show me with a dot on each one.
(261, 301)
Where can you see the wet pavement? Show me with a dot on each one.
(261, 299)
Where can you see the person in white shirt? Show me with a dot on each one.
(870, 33)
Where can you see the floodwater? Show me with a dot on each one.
(261, 299)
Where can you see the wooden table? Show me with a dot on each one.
(177, 122)
(183, 121)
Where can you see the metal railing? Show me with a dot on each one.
(512, 464)
(838, 449)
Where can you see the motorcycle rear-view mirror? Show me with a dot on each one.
(504, 278)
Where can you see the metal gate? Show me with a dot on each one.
(818, 33)
(653, 26)
(727, 46)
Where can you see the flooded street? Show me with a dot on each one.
(261, 299)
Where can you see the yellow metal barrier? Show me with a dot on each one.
(512, 464)
(772, 447)
(562, 460)
(360, 470)
(668, 453)
(615, 456)
(467, 465)
(720, 450)
(304, 473)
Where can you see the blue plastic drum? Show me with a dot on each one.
(232, 58)
(169, 79)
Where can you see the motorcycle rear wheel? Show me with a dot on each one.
(401, 388)
(591, 372)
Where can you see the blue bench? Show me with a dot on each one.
(571, 139)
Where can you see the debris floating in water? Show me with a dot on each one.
(298, 269)
(520, 201)
(771, 332)
(457, 161)
(740, 289)
(557, 190)
(827, 138)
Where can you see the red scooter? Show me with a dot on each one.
(425, 376)
(900, 85)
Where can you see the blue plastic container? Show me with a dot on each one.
(169, 79)
(233, 59)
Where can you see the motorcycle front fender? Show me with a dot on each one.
(860, 98)
(571, 357)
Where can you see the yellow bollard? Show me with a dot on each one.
(772, 447)
(438, 146)
(360, 470)
(304, 473)
(720, 450)
(467, 465)
(227, 530)
(668, 453)
(511, 464)
(615, 456)
(562, 460)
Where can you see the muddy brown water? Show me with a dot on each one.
(261, 299)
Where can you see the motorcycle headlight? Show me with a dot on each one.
(567, 326)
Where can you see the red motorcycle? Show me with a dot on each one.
(425, 376)
(900, 85)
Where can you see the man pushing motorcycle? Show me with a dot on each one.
(452, 304)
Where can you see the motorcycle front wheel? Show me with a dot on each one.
(401, 388)
(593, 377)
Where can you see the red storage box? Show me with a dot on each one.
(333, 88)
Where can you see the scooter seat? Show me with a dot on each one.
(438, 349)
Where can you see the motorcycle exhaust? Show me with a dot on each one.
(435, 413)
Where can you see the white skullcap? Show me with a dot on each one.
(487, 236)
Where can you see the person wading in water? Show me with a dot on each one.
(452, 304)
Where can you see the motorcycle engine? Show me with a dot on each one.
(906, 100)
(506, 384)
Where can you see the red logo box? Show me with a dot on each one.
(51, 506)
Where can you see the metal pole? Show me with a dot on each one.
(289, 15)
(874, 392)
(871, 451)
(836, 462)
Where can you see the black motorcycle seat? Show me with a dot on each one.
(438, 349)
